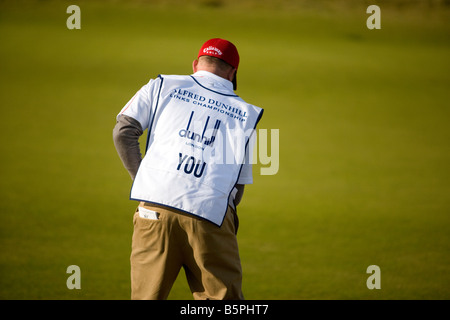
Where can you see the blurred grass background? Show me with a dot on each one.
(364, 142)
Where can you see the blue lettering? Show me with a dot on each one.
(181, 160)
(191, 166)
(188, 169)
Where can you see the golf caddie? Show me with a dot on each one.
(191, 178)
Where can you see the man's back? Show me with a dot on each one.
(198, 134)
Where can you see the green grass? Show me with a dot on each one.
(364, 144)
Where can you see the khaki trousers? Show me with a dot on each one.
(208, 254)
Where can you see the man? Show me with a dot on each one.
(191, 178)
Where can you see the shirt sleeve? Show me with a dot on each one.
(126, 135)
(141, 105)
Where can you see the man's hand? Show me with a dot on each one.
(239, 194)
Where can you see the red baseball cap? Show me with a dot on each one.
(222, 49)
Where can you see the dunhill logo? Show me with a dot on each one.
(201, 138)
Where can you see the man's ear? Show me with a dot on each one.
(231, 74)
(194, 65)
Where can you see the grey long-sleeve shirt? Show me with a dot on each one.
(126, 135)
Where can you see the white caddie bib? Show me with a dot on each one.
(197, 141)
